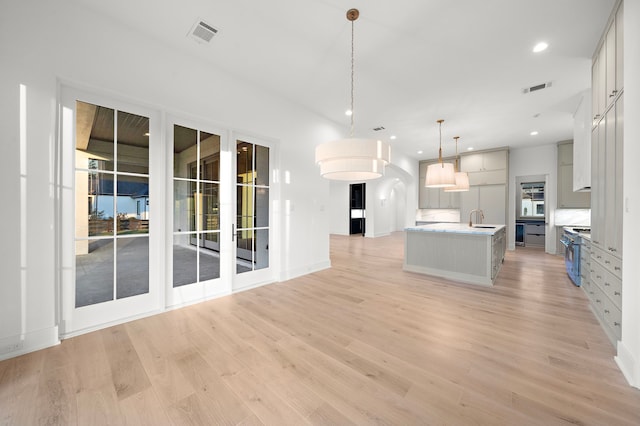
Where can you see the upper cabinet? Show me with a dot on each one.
(607, 69)
(487, 167)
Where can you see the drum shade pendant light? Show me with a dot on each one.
(462, 178)
(353, 158)
(440, 174)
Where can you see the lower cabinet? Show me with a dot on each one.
(534, 235)
(601, 275)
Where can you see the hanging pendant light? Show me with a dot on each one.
(462, 178)
(440, 174)
(353, 158)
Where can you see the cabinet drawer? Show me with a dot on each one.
(597, 274)
(598, 301)
(613, 264)
(612, 287)
(534, 240)
(612, 318)
(532, 228)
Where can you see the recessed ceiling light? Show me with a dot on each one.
(348, 112)
(470, 148)
(393, 137)
(534, 133)
(420, 152)
(540, 47)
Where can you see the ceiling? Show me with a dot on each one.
(465, 61)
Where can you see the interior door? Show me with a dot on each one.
(108, 165)
(199, 260)
(252, 229)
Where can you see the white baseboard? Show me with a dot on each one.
(20, 344)
(628, 365)
(304, 270)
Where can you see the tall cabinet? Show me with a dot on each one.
(488, 173)
(605, 267)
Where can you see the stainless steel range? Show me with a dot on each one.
(572, 240)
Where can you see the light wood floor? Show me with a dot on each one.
(361, 343)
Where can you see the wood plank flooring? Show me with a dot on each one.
(360, 343)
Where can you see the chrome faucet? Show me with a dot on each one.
(476, 211)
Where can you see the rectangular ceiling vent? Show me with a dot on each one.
(536, 87)
(202, 32)
(377, 129)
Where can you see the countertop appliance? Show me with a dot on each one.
(572, 240)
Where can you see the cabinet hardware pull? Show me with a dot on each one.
(597, 300)
(606, 311)
(606, 284)
(614, 249)
(616, 293)
(616, 323)
(606, 262)
(599, 277)
(233, 232)
(617, 268)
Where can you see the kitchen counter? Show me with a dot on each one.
(456, 251)
(460, 228)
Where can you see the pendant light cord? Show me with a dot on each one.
(352, 73)
(440, 150)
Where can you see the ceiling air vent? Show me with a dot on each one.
(202, 32)
(536, 87)
(377, 129)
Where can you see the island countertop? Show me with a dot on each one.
(458, 228)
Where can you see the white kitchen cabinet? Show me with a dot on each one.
(534, 234)
(595, 90)
(491, 199)
(597, 183)
(606, 184)
(619, 48)
(619, 203)
(610, 55)
(486, 168)
(567, 198)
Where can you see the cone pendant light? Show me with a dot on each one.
(440, 174)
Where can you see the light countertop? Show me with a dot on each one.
(459, 228)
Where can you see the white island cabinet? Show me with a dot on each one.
(456, 251)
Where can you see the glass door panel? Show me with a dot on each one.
(197, 209)
(252, 209)
(106, 235)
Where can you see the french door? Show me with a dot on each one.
(201, 203)
(109, 164)
(151, 218)
(253, 236)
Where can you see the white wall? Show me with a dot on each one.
(529, 161)
(92, 52)
(629, 347)
(383, 217)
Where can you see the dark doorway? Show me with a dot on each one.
(357, 205)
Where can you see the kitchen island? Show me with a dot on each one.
(456, 251)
